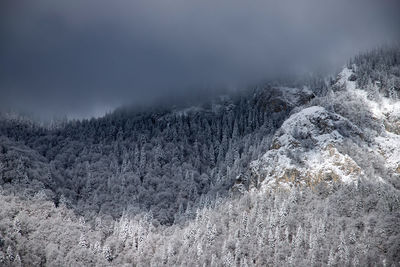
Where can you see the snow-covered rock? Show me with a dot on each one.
(303, 151)
(310, 147)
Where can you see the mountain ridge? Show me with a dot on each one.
(281, 176)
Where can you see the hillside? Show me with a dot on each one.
(277, 176)
(336, 138)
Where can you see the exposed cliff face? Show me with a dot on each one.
(328, 140)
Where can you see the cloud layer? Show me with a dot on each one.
(82, 57)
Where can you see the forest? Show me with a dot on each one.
(200, 185)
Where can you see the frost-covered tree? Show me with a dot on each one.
(153, 187)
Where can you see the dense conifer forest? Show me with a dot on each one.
(231, 182)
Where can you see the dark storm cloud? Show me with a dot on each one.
(82, 57)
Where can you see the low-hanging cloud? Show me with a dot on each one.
(78, 57)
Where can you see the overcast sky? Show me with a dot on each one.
(84, 57)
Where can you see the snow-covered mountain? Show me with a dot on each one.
(317, 145)
(294, 175)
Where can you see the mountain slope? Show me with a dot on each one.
(158, 160)
(279, 176)
(315, 145)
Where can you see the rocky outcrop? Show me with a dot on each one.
(317, 145)
(303, 151)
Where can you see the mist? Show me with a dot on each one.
(85, 58)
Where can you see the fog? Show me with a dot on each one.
(83, 58)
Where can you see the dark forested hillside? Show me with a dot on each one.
(305, 176)
(379, 67)
(162, 160)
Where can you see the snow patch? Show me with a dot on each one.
(344, 79)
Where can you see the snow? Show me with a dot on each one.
(385, 109)
(305, 122)
(388, 110)
(389, 147)
(304, 150)
(344, 76)
(317, 163)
